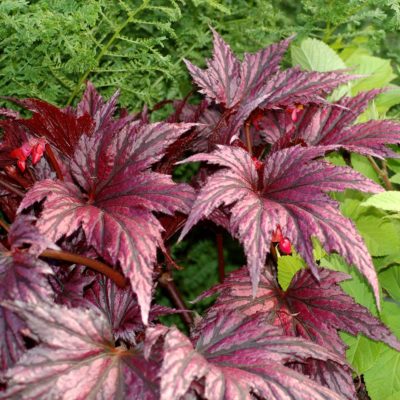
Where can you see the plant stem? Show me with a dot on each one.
(221, 261)
(11, 188)
(54, 163)
(167, 282)
(248, 138)
(89, 262)
(4, 225)
(381, 172)
(12, 173)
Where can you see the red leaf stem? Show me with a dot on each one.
(11, 188)
(167, 282)
(89, 262)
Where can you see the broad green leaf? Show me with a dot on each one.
(378, 72)
(390, 281)
(380, 233)
(287, 268)
(336, 158)
(388, 99)
(353, 52)
(358, 287)
(393, 164)
(389, 201)
(361, 164)
(395, 178)
(382, 263)
(318, 251)
(315, 55)
(362, 352)
(383, 378)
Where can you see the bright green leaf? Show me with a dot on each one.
(389, 201)
(362, 352)
(287, 268)
(383, 378)
(390, 281)
(361, 164)
(358, 287)
(395, 178)
(378, 72)
(315, 55)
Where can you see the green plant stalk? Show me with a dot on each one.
(382, 172)
(103, 51)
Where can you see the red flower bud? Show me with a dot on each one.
(285, 246)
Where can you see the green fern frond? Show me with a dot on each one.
(50, 48)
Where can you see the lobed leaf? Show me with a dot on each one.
(116, 198)
(309, 309)
(77, 359)
(239, 356)
(290, 193)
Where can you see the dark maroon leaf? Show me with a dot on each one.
(309, 309)
(121, 308)
(237, 356)
(77, 359)
(62, 128)
(116, 196)
(291, 193)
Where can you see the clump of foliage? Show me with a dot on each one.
(92, 187)
(50, 48)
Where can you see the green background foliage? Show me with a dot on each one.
(50, 47)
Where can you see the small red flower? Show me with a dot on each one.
(34, 147)
(295, 111)
(258, 164)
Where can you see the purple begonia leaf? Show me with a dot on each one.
(221, 79)
(12, 344)
(22, 232)
(22, 277)
(239, 356)
(100, 111)
(257, 82)
(77, 359)
(259, 67)
(95, 106)
(309, 309)
(285, 89)
(295, 86)
(118, 198)
(331, 125)
(291, 193)
(69, 285)
(121, 308)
